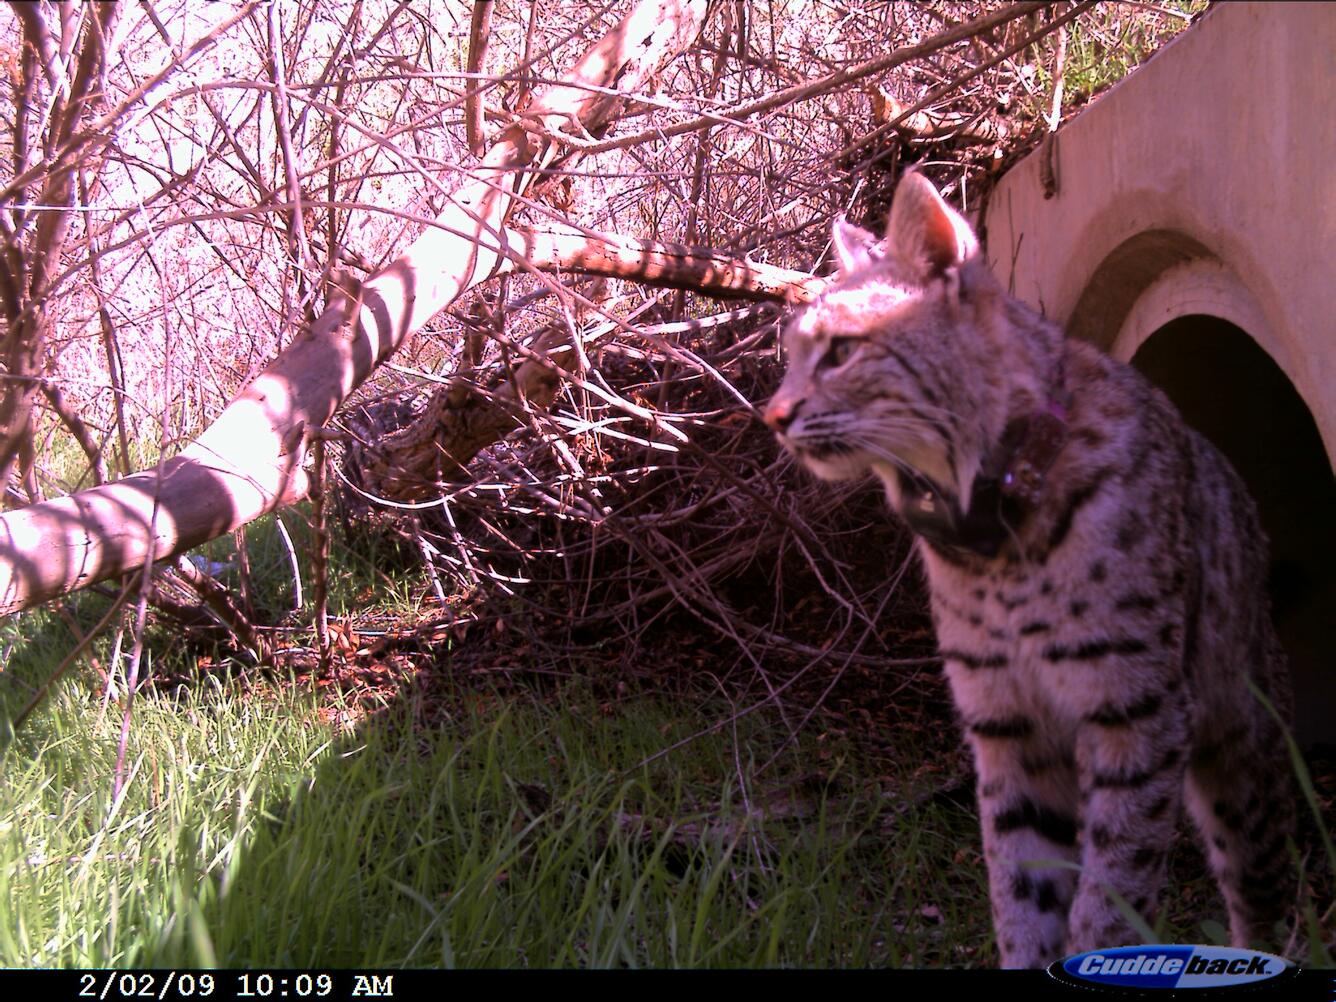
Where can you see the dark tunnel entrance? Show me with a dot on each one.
(1229, 389)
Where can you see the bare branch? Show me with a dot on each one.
(480, 33)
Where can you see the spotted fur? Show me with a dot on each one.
(1098, 635)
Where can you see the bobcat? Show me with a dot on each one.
(1096, 571)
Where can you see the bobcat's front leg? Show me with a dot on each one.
(1026, 789)
(1131, 762)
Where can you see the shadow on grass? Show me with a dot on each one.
(512, 832)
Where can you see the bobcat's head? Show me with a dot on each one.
(904, 366)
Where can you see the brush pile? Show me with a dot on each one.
(632, 511)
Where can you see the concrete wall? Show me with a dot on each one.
(1194, 222)
(1205, 182)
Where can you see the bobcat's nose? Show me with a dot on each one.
(780, 412)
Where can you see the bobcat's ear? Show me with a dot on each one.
(853, 246)
(924, 232)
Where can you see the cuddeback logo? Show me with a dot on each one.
(1176, 967)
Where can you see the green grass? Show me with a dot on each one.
(1114, 39)
(1104, 45)
(88, 880)
(514, 834)
(467, 828)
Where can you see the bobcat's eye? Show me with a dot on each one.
(840, 351)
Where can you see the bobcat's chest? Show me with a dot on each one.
(1029, 645)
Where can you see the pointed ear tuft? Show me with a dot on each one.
(853, 246)
(924, 232)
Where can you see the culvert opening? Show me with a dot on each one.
(1229, 389)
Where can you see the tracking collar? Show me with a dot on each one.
(1009, 488)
